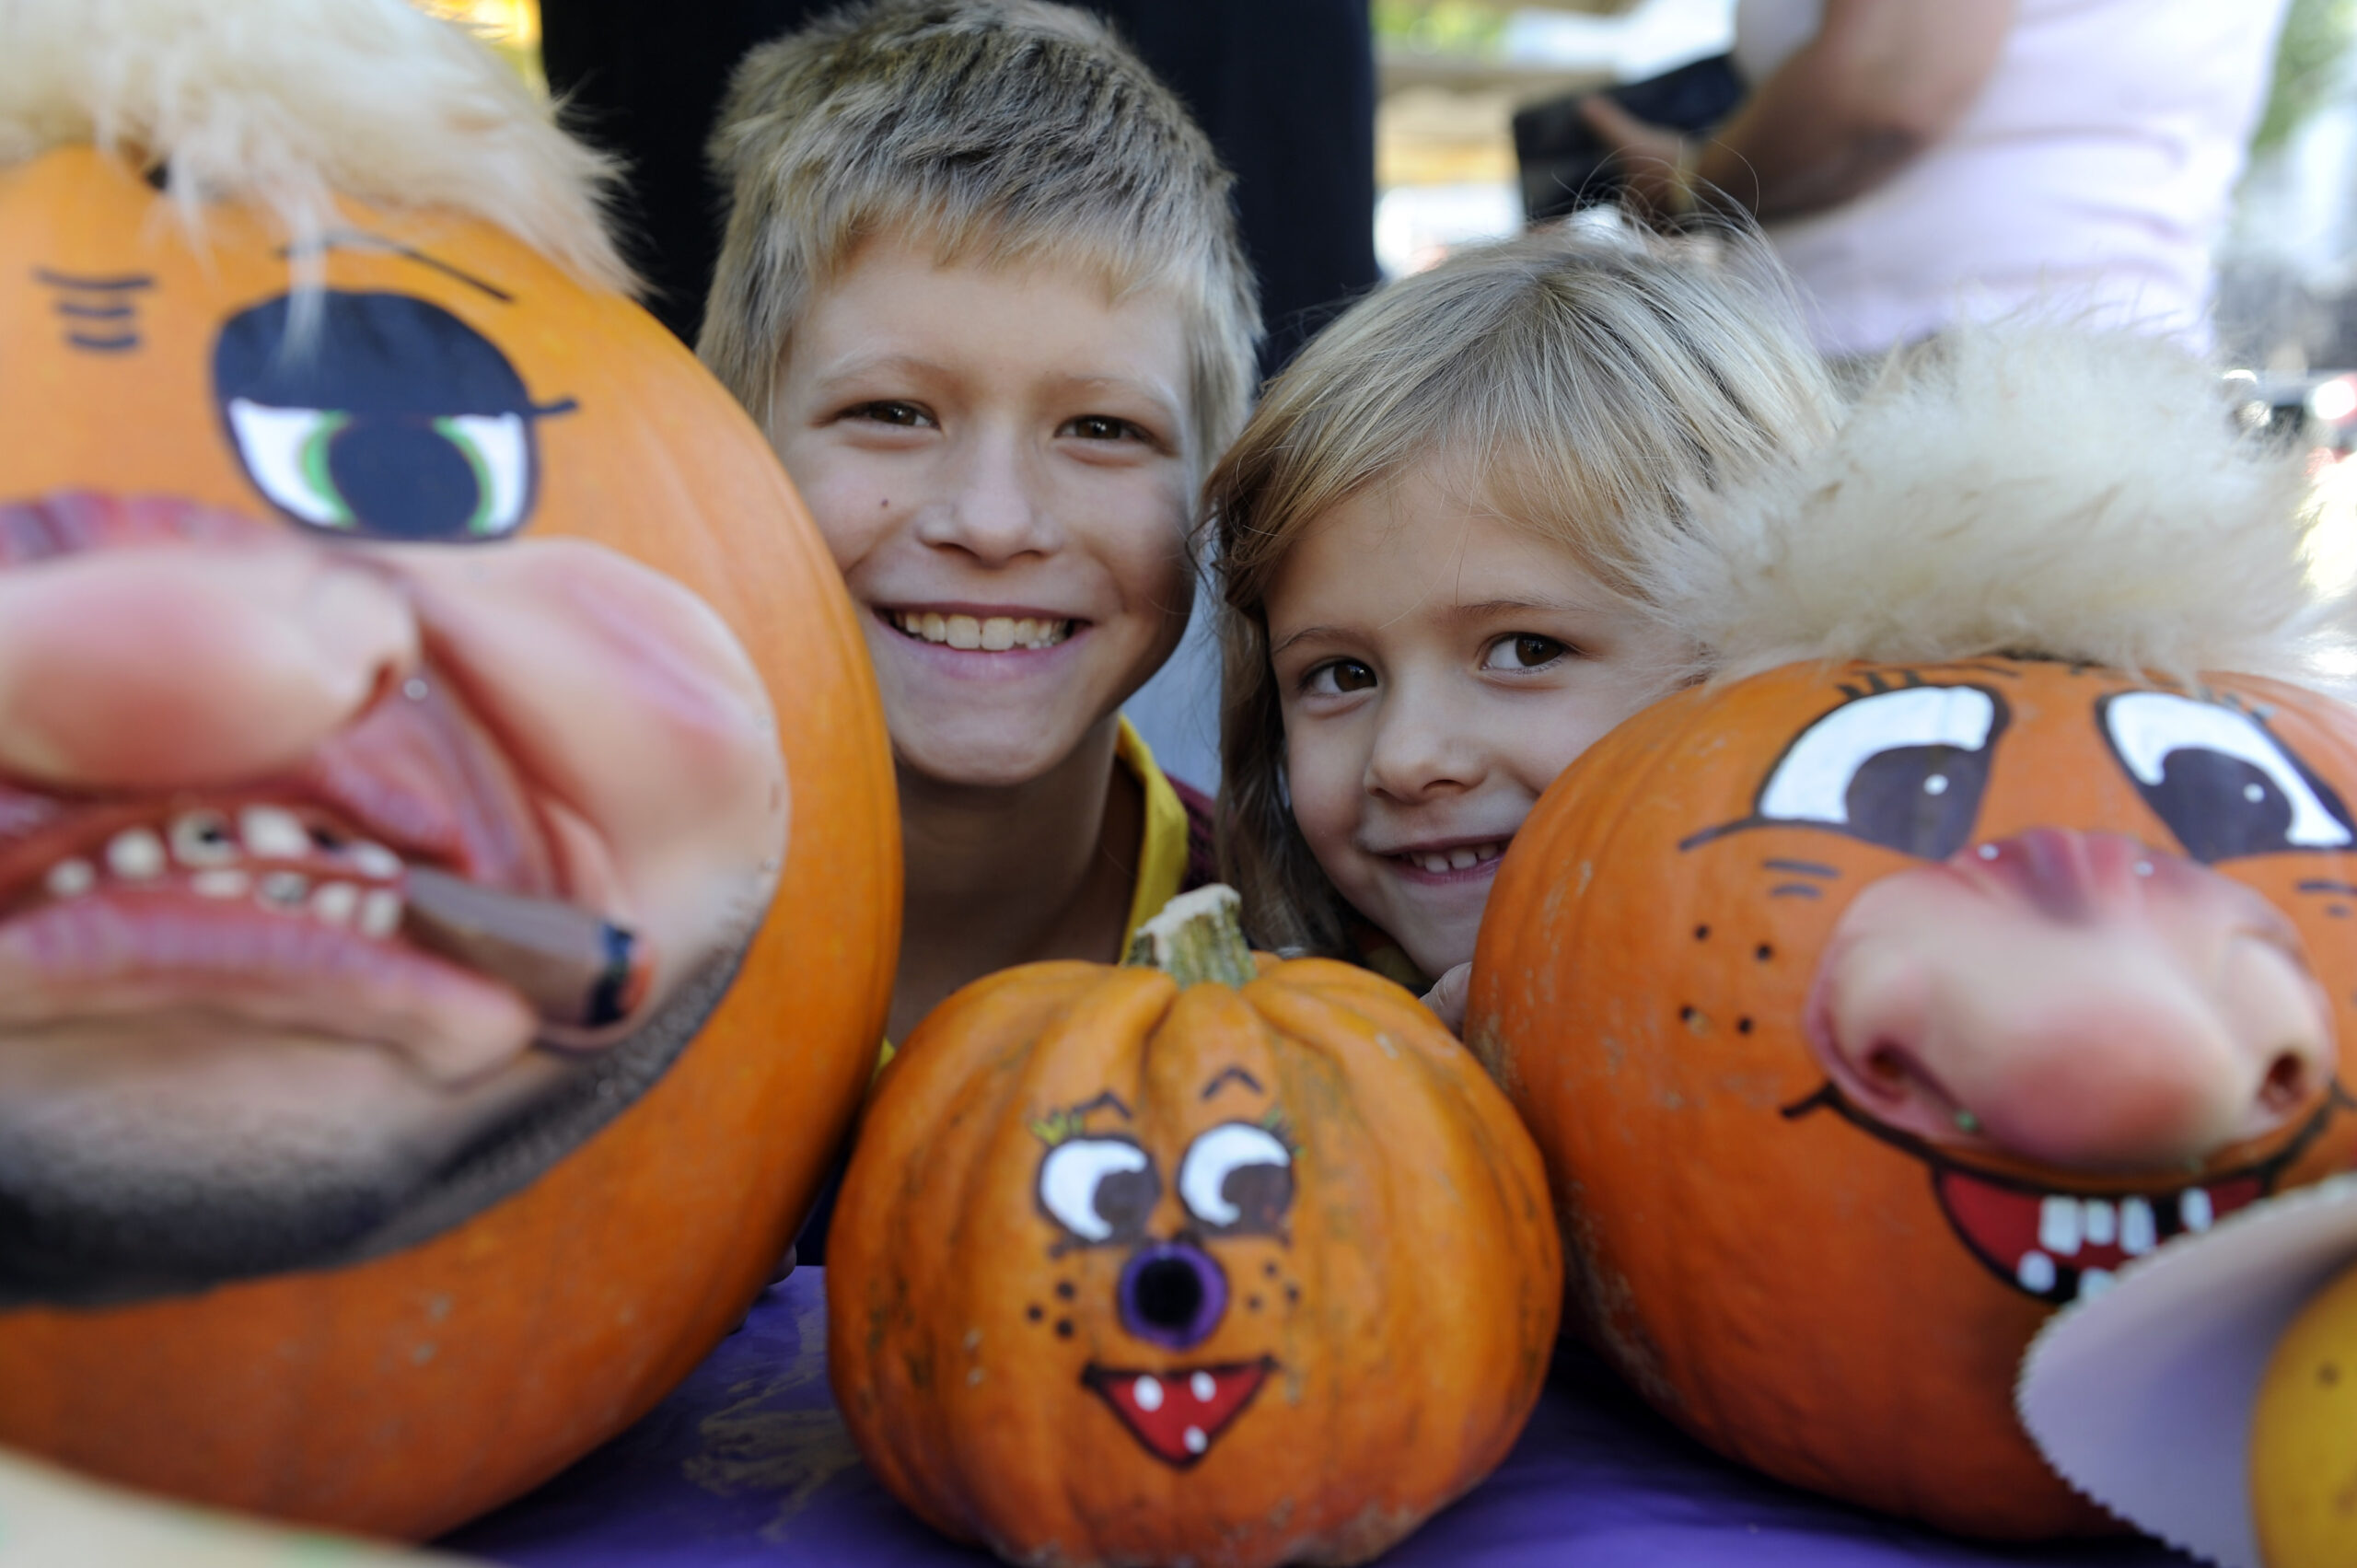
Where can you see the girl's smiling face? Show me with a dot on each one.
(1437, 665)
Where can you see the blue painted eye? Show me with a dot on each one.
(2224, 785)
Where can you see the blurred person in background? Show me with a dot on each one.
(1916, 161)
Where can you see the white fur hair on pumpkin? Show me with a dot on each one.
(2019, 488)
(283, 102)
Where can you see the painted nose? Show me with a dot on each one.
(2076, 999)
(189, 664)
(1172, 1294)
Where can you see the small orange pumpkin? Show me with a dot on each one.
(1756, 1240)
(1244, 1271)
(161, 389)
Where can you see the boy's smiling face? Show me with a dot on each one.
(999, 460)
(1437, 666)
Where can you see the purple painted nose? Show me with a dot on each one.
(1173, 1294)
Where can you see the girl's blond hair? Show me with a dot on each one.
(1598, 384)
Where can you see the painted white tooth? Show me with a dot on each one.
(220, 882)
(2035, 1270)
(965, 631)
(372, 859)
(1463, 860)
(272, 832)
(1202, 1388)
(335, 903)
(998, 634)
(202, 838)
(136, 854)
(2093, 1282)
(2193, 1209)
(1147, 1392)
(2058, 1225)
(2099, 1222)
(381, 912)
(2138, 1234)
(936, 629)
(1194, 1439)
(283, 889)
(70, 878)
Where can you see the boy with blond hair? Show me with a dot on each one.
(981, 287)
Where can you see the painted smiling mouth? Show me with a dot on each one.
(2056, 1244)
(990, 634)
(1176, 1414)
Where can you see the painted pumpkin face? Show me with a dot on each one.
(434, 756)
(1865, 1014)
(1122, 1273)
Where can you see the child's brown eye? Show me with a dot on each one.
(1524, 650)
(891, 411)
(1340, 675)
(1098, 427)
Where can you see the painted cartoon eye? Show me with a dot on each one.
(2224, 785)
(1099, 1188)
(1902, 769)
(387, 418)
(304, 459)
(1237, 1176)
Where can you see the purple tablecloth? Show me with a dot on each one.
(748, 1463)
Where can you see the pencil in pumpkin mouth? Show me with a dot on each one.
(574, 967)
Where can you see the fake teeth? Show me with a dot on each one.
(994, 634)
(2060, 1247)
(1462, 858)
(215, 856)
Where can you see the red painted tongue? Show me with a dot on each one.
(1176, 1414)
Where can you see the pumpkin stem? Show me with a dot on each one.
(1198, 938)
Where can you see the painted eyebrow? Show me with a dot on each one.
(1108, 1100)
(1227, 1075)
(378, 244)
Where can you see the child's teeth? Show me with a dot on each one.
(994, 634)
(335, 903)
(998, 634)
(373, 860)
(965, 631)
(381, 912)
(935, 629)
(219, 883)
(272, 832)
(202, 838)
(136, 854)
(69, 878)
(1462, 859)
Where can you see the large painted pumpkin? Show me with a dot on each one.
(447, 834)
(1866, 1013)
(1242, 1271)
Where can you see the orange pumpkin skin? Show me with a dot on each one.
(1404, 1307)
(1771, 1276)
(409, 1392)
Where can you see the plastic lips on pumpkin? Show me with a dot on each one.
(1182, 1264)
(447, 871)
(1904, 983)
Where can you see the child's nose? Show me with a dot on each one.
(996, 508)
(1421, 747)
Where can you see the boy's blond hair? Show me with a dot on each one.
(999, 132)
(1597, 385)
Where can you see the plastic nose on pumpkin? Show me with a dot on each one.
(187, 666)
(1172, 1294)
(2076, 999)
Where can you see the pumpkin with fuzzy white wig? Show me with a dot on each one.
(1982, 919)
(448, 876)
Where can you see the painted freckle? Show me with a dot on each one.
(1764, 952)
(1034, 1312)
(1270, 1270)
(2328, 1375)
(1063, 1328)
(1743, 1026)
(1293, 1294)
(1063, 1290)
(1252, 1304)
(1701, 934)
